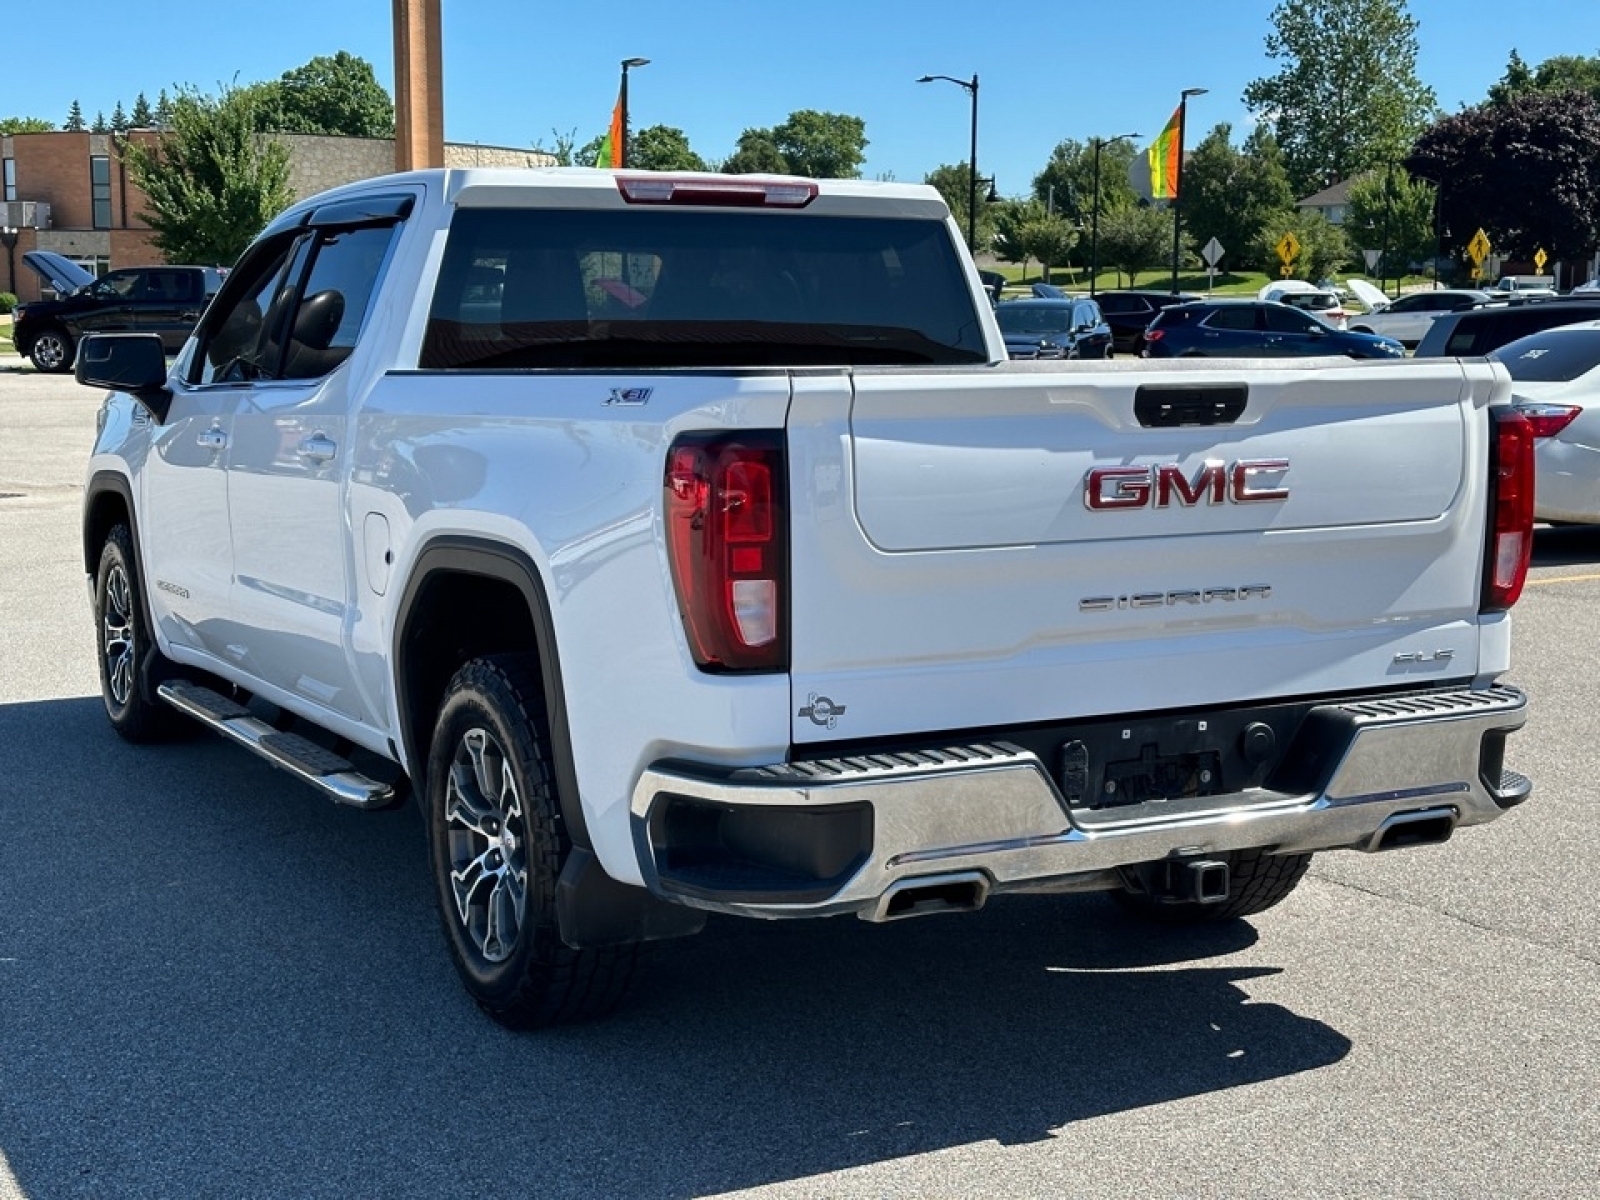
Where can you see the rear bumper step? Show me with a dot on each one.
(322, 769)
(822, 837)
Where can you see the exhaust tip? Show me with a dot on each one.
(964, 891)
(1430, 827)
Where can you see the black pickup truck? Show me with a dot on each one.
(164, 300)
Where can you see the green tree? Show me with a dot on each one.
(10, 125)
(163, 113)
(1135, 239)
(1391, 212)
(337, 94)
(1347, 96)
(1230, 194)
(1010, 218)
(142, 117)
(563, 148)
(74, 118)
(756, 154)
(119, 119)
(1066, 184)
(663, 148)
(100, 125)
(1525, 171)
(953, 182)
(822, 145)
(213, 182)
(1563, 73)
(1049, 237)
(1324, 248)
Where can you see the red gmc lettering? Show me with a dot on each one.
(1244, 491)
(1112, 488)
(1209, 484)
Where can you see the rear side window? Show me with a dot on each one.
(1232, 318)
(1168, 317)
(672, 288)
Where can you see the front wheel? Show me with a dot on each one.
(52, 352)
(1256, 881)
(125, 643)
(498, 844)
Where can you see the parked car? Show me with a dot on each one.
(1129, 313)
(1408, 318)
(1474, 332)
(164, 300)
(1556, 386)
(1297, 293)
(1065, 328)
(1254, 329)
(1527, 285)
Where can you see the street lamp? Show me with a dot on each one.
(971, 87)
(8, 239)
(622, 102)
(1177, 190)
(1099, 144)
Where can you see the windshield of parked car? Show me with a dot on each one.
(638, 288)
(1553, 356)
(1034, 318)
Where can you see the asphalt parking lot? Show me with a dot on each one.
(213, 983)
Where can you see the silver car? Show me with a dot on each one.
(1408, 318)
(1556, 386)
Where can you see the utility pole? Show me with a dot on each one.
(418, 85)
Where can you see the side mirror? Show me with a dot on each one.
(127, 362)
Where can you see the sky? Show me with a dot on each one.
(519, 72)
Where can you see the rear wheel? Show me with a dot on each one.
(52, 351)
(1256, 881)
(498, 844)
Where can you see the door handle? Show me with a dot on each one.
(318, 448)
(213, 439)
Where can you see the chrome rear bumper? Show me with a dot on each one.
(993, 808)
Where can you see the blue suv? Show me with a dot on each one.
(1254, 329)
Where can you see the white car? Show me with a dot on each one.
(1297, 293)
(1408, 318)
(1556, 385)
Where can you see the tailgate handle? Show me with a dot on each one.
(1165, 405)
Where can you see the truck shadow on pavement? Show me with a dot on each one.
(213, 982)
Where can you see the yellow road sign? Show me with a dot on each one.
(1286, 270)
(1478, 248)
(1477, 274)
(1539, 259)
(1288, 249)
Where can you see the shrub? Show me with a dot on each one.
(8, 303)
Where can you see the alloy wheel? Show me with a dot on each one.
(116, 629)
(488, 845)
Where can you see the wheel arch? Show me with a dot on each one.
(107, 499)
(499, 588)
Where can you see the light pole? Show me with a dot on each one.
(8, 239)
(1177, 190)
(971, 86)
(1099, 144)
(622, 102)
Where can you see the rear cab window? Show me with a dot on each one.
(697, 287)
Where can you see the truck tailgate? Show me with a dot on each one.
(1032, 543)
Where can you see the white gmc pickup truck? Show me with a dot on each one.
(686, 544)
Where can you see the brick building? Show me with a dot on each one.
(73, 194)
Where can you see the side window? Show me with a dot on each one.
(1233, 318)
(119, 285)
(1288, 320)
(344, 274)
(235, 345)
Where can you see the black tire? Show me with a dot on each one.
(53, 350)
(497, 845)
(1256, 881)
(123, 635)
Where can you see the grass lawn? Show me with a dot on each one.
(1248, 283)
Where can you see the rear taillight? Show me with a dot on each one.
(1505, 568)
(727, 539)
(1152, 335)
(1547, 420)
